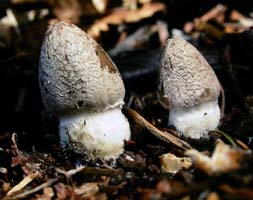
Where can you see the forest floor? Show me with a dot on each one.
(34, 166)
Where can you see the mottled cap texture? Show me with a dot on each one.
(185, 77)
(75, 74)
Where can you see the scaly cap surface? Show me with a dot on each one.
(185, 77)
(75, 73)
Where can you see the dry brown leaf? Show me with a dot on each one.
(173, 164)
(119, 16)
(224, 159)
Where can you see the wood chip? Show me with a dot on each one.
(173, 164)
(241, 144)
(224, 159)
(22, 184)
(165, 136)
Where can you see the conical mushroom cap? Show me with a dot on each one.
(185, 77)
(75, 74)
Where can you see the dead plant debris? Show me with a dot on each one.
(157, 162)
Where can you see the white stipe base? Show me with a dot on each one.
(196, 121)
(102, 134)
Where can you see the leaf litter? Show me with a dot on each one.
(154, 165)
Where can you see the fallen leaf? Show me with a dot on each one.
(173, 164)
(120, 16)
(224, 159)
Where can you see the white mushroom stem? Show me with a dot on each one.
(101, 133)
(195, 121)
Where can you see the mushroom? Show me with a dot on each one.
(82, 87)
(189, 88)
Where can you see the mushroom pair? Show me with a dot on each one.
(81, 86)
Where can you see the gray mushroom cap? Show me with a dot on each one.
(75, 74)
(185, 77)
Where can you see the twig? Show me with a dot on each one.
(214, 13)
(69, 173)
(44, 185)
(22, 184)
(36, 189)
(13, 139)
(91, 171)
(165, 136)
(241, 144)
